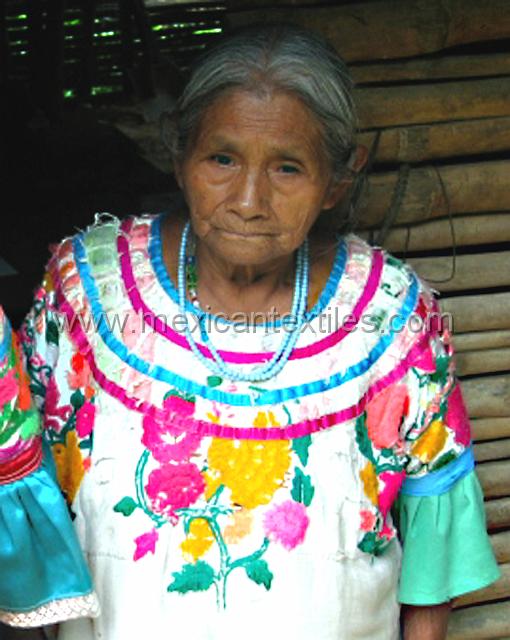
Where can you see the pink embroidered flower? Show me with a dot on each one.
(174, 486)
(8, 388)
(55, 415)
(85, 419)
(425, 361)
(287, 523)
(457, 418)
(386, 532)
(145, 543)
(384, 415)
(79, 376)
(392, 482)
(171, 440)
(367, 520)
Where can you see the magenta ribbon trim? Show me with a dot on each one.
(298, 353)
(204, 428)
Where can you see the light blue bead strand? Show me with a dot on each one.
(273, 366)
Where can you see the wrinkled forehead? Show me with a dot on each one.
(279, 120)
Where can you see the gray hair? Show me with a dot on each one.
(273, 57)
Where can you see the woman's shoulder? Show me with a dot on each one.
(380, 278)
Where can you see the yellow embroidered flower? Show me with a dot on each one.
(239, 526)
(252, 469)
(69, 465)
(198, 541)
(370, 483)
(431, 441)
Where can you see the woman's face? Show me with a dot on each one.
(256, 177)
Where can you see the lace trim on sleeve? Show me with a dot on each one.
(53, 612)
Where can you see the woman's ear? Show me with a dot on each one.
(338, 189)
(358, 158)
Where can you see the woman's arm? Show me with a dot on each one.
(425, 623)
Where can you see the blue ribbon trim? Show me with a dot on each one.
(185, 385)
(440, 481)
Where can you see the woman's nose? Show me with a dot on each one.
(251, 195)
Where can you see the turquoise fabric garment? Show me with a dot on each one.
(446, 551)
(40, 557)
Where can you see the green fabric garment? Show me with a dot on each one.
(446, 550)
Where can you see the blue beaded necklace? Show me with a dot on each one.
(297, 316)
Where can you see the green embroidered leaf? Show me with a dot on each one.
(259, 572)
(5, 435)
(214, 381)
(362, 439)
(301, 446)
(30, 426)
(443, 460)
(193, 577)
(441, 371)
(126, 506)
(387, 453)
(77, 399)
(6, 414)
(372, 544)
(52, 332)
(302, 488)
(189, 397)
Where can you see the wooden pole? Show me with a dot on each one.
(375, 30)
(490, 428)
(494, 478)
(468, 188)
(487, 397)
(422, 142)
(481, 340)
(416, 104)
(472, 271)
(437, 234)
(489, 451)
(432, 68)
(483, 361)
(501, 546)
(478, 313)
(498, 513)
(480, 623)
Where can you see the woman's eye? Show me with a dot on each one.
(289, 168)
(222, 159)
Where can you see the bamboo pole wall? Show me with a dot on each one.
(441, 117)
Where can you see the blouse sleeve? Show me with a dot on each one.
(43, 575)
(446, 549)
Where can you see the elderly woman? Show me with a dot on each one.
(235, 395)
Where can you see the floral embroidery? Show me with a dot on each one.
(367, 520)
(69, 464)
(69, 427)
(174, 486)
(146, 543)
(239, 526)
(457, 417)
(215, 496)
(384, 416)
(200, 538)
(370, 483)
(287, 523)
(252, 469)
(431, 442)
